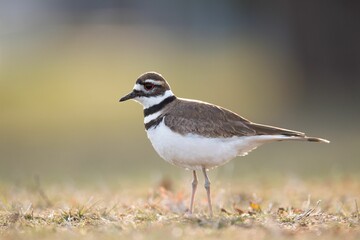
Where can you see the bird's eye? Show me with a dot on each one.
(148, 86)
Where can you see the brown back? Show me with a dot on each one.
(187, 116)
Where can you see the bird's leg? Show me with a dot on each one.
(194, 186)
(207, 187)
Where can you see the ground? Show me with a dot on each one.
(290, 208)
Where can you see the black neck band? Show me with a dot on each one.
(154, 123)
(158, 107)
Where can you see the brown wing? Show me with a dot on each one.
(206, 120)
(213, 121)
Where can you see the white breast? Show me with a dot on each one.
(194, 151)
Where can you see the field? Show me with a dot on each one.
(285, 208)
(65, 64)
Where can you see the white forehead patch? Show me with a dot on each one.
(138, 87)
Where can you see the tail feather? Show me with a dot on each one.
(261, 129)
(315, 139)
(293, 135)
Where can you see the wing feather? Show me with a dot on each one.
(200, 118)
(206, 120)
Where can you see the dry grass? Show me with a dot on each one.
(250, 210)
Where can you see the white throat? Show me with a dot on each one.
(151, 101)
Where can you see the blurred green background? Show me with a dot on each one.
(65, 64)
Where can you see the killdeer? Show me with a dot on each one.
(197, 135)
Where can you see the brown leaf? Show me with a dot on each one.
(297, 210)
(239, 211)
(224, 210)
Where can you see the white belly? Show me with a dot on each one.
(195, 152)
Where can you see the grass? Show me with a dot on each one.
(286, 209)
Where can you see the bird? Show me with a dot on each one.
(197, 135)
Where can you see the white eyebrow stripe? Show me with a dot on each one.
(155, 82)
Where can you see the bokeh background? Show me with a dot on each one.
(65, 64)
